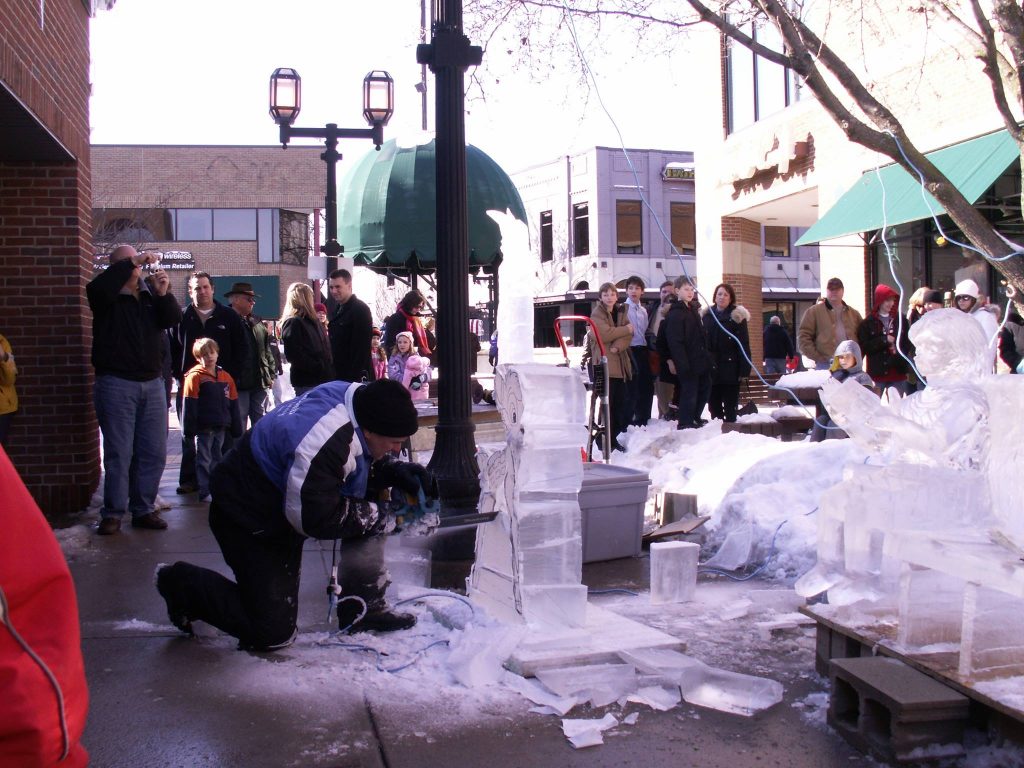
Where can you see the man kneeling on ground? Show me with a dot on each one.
(309, 468)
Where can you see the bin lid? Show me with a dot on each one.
(603, 475)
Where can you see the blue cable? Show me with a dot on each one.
(727, 574)
(379, 656)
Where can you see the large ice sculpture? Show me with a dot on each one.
(934, 515)
(529, 559)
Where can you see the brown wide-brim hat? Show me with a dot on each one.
(244, 289)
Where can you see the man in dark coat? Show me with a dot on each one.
(350, 331)
(129, 316)
(204, 318)
(686, 355)
(777, 346)
(260, 368)
(312, 468)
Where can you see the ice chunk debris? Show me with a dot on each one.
(587, 733)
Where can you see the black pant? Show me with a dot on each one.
(723, 400)
(692, 393)
(641, 387)
(261, 607)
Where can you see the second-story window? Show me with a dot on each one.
(581, 229)
(776, 242)
(756, 87)
(684, 228)
(547, 241)
(629, 236)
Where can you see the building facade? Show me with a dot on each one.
(771, 162)
(600, 216)
(239, 213)
(45, 246)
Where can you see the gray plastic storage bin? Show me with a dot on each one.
(612, 503)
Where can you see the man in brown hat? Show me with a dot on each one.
(826, 324)
(259, 371)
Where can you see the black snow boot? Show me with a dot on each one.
(381, 620)
(165, 585)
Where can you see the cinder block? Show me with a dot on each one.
(886, 708)
(832, 644)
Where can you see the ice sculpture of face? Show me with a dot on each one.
(949, 344)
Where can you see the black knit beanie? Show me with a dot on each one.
(385, 407)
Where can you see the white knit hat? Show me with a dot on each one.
(967, 288)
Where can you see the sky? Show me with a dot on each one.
(191, 72)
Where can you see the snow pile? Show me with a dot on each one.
(803, 380)
(752, 486)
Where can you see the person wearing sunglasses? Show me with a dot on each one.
(967, 298)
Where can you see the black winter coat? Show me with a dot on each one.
(350, 332)
(777, 343)
(126, 330)
(308, 351)
(730, 362)
(223, 326)
(684, 342)
(881, 364)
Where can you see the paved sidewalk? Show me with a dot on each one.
(161, 699)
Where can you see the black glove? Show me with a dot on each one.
(406, 476)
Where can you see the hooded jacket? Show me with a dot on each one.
(884, 364)
(37, 600)
(855, 372)
(730, 362)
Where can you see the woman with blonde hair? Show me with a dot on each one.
(305, 343)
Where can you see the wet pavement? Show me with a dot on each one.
(161, 699)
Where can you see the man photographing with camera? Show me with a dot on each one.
(318, 466)
(129, 315)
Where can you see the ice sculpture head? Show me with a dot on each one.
(950, 343)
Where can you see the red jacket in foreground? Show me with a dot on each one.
(41, 719)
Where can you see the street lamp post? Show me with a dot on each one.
(378, 106)
(448, 55)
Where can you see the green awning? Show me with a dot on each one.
(387, 209)
(973, 166)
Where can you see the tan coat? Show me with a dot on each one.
(816, 337)
(8, 373)
(613, 334)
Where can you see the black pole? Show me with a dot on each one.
(331, 248)
(454, 460)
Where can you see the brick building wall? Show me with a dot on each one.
(141, 177)
(745, 235)
(45, 248)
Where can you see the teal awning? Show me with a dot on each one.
(387, 208)
(972, 166)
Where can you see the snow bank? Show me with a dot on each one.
(749, 485)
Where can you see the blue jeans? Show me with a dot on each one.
(775, 365)
(133, 419)
(209, 446)
(252, 404)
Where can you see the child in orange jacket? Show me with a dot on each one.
(209, 410)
